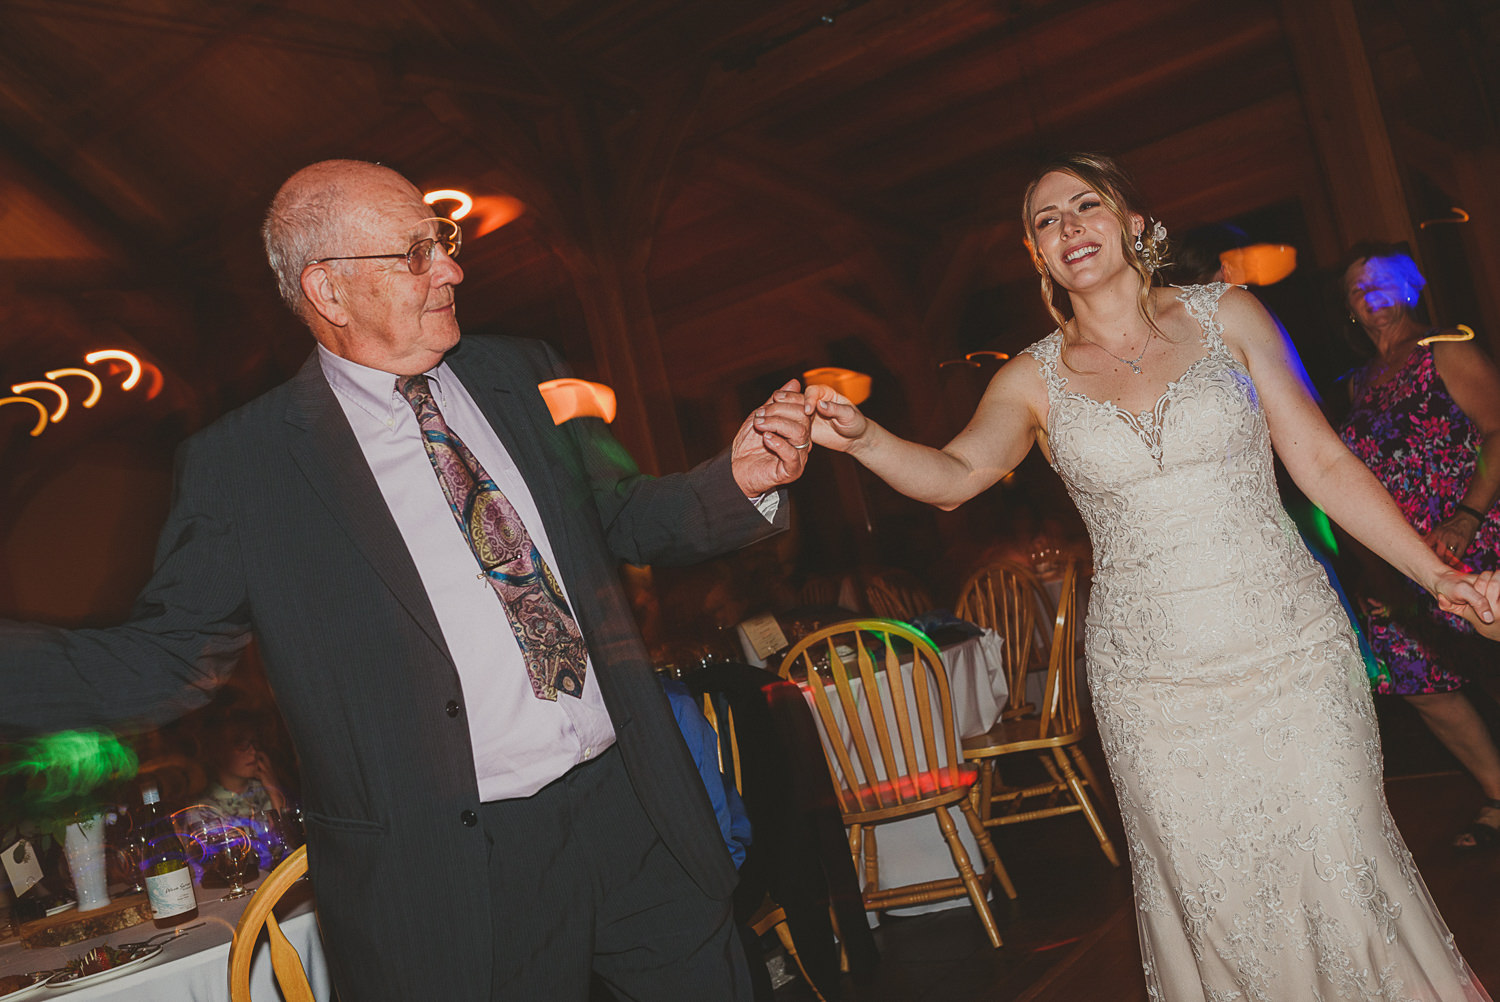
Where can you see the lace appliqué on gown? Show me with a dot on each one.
(1234, 710)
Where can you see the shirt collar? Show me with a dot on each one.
(374, 390)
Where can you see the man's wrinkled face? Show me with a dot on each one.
(399, 322)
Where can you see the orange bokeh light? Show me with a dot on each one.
(853, 386)
(570, 398)
(1258, 264)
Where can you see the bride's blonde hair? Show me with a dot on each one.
(1117, 191)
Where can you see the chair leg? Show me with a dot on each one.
(986, 787)
(1059, 784)
(872, 862)
(967, 875)
(1081, 760)
(987, 847)
(1082, 796)
(784, 934)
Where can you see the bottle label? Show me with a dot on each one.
(171, 893)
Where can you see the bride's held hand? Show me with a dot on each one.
(837, 424)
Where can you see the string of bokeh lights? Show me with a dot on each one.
(117, 361)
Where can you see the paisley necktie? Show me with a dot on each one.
(539, 615)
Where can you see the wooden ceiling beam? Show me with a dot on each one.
(1098, 82)
(798, 194)
(285, 28)
(804, 67)
(34, 118)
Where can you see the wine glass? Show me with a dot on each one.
(234, 847)
(224, 848)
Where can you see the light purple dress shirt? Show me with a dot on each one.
(521, 743)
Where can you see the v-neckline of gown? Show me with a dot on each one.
(1146, 424)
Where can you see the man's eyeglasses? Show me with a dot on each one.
(420, 254)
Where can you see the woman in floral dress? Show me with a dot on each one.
(1426, 421)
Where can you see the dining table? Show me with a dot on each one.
(193, 965)
(913, 850)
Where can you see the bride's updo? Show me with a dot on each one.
(1117, 191)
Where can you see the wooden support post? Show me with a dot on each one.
(1349, 132)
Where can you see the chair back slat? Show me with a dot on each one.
(287, 966)
(889, 695)
(839, 763)
(1059, 713)
(897, 683)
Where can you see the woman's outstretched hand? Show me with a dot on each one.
(1487, 586)
(837, 424)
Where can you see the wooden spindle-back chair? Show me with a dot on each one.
(257, 915)
(1052, 735)
(893, 594)
(899, 767)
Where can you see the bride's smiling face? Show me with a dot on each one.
(1075, 233)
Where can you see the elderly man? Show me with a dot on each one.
(498, 802)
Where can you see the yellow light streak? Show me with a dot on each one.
(1465, 333)
(41, 423)
(1459, 216)
(96, 387)
(465, 203)
(119, 356)
(62, 396)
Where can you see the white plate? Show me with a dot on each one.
(140, 959)
(27, 992)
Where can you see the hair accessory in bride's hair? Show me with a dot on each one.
(1151, 247)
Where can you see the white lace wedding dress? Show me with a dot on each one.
(1234, 710)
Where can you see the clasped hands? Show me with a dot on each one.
(771, 448)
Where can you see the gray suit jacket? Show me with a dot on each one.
(278, 528)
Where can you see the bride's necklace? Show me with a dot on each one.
(1134, 363)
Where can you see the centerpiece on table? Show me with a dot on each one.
(57, 790)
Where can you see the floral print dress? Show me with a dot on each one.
(1423, 448)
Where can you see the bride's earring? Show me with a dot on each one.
(1139, 246)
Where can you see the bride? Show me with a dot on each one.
(1231, 700)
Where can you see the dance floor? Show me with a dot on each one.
(1071, 934)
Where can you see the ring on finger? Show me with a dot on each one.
(804, 445)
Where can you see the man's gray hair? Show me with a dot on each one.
(299, 226)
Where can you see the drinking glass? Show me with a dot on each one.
(225, 847)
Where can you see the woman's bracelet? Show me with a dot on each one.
(1478, 515)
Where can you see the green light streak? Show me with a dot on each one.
(1322, 531)
(62, 771)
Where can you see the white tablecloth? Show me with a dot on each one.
(193, 967)
(913, 851)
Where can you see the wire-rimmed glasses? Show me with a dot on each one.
(419, 255)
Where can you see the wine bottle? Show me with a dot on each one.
(169, 881)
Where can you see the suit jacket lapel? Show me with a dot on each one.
(502, 395)
(329, 456)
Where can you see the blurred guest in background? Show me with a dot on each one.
(1425, 418)
(244, 781)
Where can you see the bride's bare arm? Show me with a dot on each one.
(997, 438)
(1331, 476)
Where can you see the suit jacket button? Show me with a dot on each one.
(469, 818)
(452, 708)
